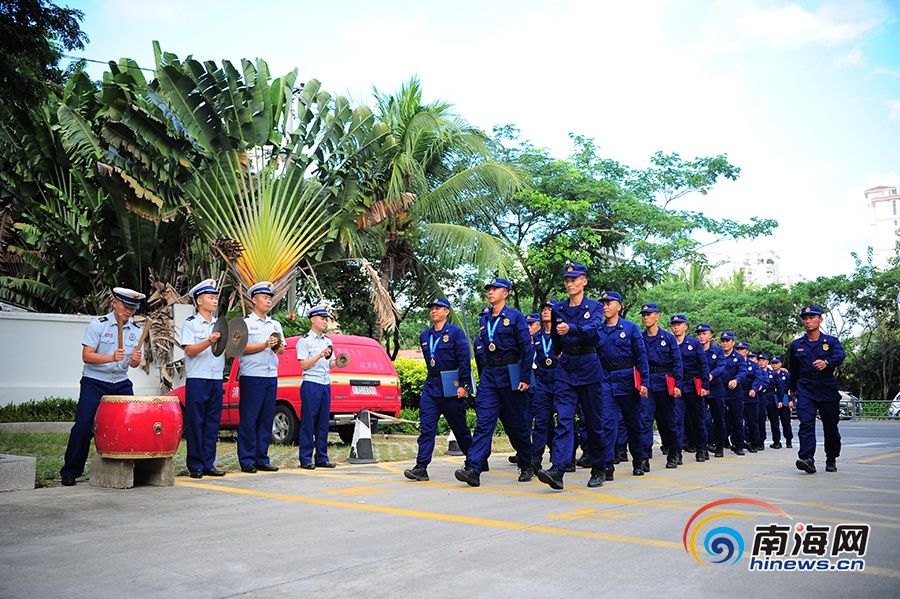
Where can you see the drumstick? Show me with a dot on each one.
(119, 322)
(146, 332)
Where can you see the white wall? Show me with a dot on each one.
(40, 356)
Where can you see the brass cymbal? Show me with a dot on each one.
(221, 327)
(237, 336)
(280, 341)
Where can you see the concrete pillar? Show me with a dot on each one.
(113, 473)
(17, 472)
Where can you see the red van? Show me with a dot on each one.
(368, 382)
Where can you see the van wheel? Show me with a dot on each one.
(284, 426)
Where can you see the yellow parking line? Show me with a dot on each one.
(879, 457)
(487, 522)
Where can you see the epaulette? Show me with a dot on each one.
(246, 317)
(485, 309)
(102, 319)
(191, 317)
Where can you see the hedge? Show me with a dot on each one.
(49, 409)
(412, 375)
(402, 428)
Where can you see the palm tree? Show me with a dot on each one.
(433, 172)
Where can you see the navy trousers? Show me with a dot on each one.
(694, 414)
(257, 411)
(431, 406)
(630, 407)
(784, 413)
(491, 403)
(202, 416)
(751, 421)
(829, 412)
(315, 409)
(544, 427)
(659, 405)
(773, 416)
(715, 419)
(567, 399)
(735, 411)
(92, 391)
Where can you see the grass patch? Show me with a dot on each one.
(50, 448)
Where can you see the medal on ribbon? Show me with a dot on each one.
(490, 332)
(432, 347)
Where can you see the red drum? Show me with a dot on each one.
(134, 426)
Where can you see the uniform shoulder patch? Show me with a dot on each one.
(102, 319)
(485, 309)
(191, 317)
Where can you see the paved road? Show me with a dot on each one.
(365, 531)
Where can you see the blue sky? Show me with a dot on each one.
(803, 96)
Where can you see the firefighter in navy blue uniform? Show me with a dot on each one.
(770, 394)
(695, 386)
(544, 382)
(750, 387)
(533, 321)
(733, 377)
(203, 382)
(663, 386)
(715, 400)
(573, 327)
(446, 350)
(814, 358)
(503, 354)
(625, 375)
(783, 402)
(762, 383)
(105, 372)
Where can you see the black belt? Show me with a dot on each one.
(610, 366)
(816, 376)
(658, 369)
(503, 362)
(579, 350)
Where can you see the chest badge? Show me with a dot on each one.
(506, 322)
(622, 334)
(446, 338)
(690, 347)
(587, 315)
(825, 346)
(663, 342)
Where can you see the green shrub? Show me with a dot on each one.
(49, 409)
(402, 428)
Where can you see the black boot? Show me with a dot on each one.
(638, 469)
(597, 478)
(830, 464)
(672, 461)
(551, 477)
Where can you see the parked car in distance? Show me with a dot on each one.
(368, 382)
(894, 409)
(850, 406)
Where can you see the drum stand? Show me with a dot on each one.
(116, 473)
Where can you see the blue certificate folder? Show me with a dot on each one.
(450, 382)
(514, 372)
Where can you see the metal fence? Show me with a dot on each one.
(872, 409)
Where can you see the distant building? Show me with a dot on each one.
(760, 268)
(885, 222)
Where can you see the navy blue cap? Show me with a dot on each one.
(207, 286)
(498, 282)
(533, 317)
(575, 270)
(649, 308)
(763, 357)
(776, 359)
(548, 303)
(742, 345)
(611, 295)
(703, 327)
(678, 318)
(752, 355)
(816, 310)
(317, 311)
(727, 335)
(441, 302)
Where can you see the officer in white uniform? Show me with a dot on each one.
(105, 373)
(259, 381)
(203, 387)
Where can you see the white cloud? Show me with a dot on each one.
(791, 26)
(893, 110)
(853, 58)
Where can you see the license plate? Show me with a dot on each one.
(364, 390)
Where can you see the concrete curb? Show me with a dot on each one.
(36, 427)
